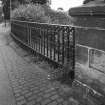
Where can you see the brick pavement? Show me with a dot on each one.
(30, 83)
(6, 94)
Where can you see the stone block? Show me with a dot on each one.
(97, 60)
(81, 54)
(91, 37)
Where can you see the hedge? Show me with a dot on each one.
(40, 13)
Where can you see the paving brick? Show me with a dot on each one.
(47, 95)
(39, 99)
(54, 97)
(53, 103)
(16, 88)
(59, 104)
(34, 88)
(28, 94)
(42, 88)
(60, 100)
(24, 92)
(17, 95)
(53, 92)
(45, 101)
(48, 90)
(40, 93)
(31, 102)
(73, 101)
(22, 102)
(17, 91)
(31, 86)
(35, 92)
(37, 104)
(20, 98)
(66, 103)
(33, 97)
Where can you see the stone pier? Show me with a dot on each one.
(89, 20)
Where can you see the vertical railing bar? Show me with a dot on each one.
(30, 37)
(44, 32)
(36, 38)
(68, 47)
(51, 45)
(28, 33)
(33, 44)
(58, 46)
(73, 48)
(54, 46)
(41, 41)
(32, 40)
(47, 41)
(63, 47)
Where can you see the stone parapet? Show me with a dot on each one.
(89, 16)
(88, 10)
(89, 23)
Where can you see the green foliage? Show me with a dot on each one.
(32, 1)
(30, 13)
(39, 1)
(87, 1)
(40, 13)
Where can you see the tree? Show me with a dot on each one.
(6, 5)
(39, 1)
(87, 1)
(23, 1)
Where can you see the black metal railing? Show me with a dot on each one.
(55, 42)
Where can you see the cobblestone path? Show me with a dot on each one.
(6, 94)
(29, 83)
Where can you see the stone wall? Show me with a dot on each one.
(89, 23)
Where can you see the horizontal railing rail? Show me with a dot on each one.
(55, 42)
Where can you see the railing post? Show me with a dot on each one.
(30, 37)
(70, 48)
(72, 56)
(58, 43)
(63, 52)
(47, 42)
(54, 46)
(44, 32)
(28, 34)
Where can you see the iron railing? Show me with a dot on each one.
(55, 42)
